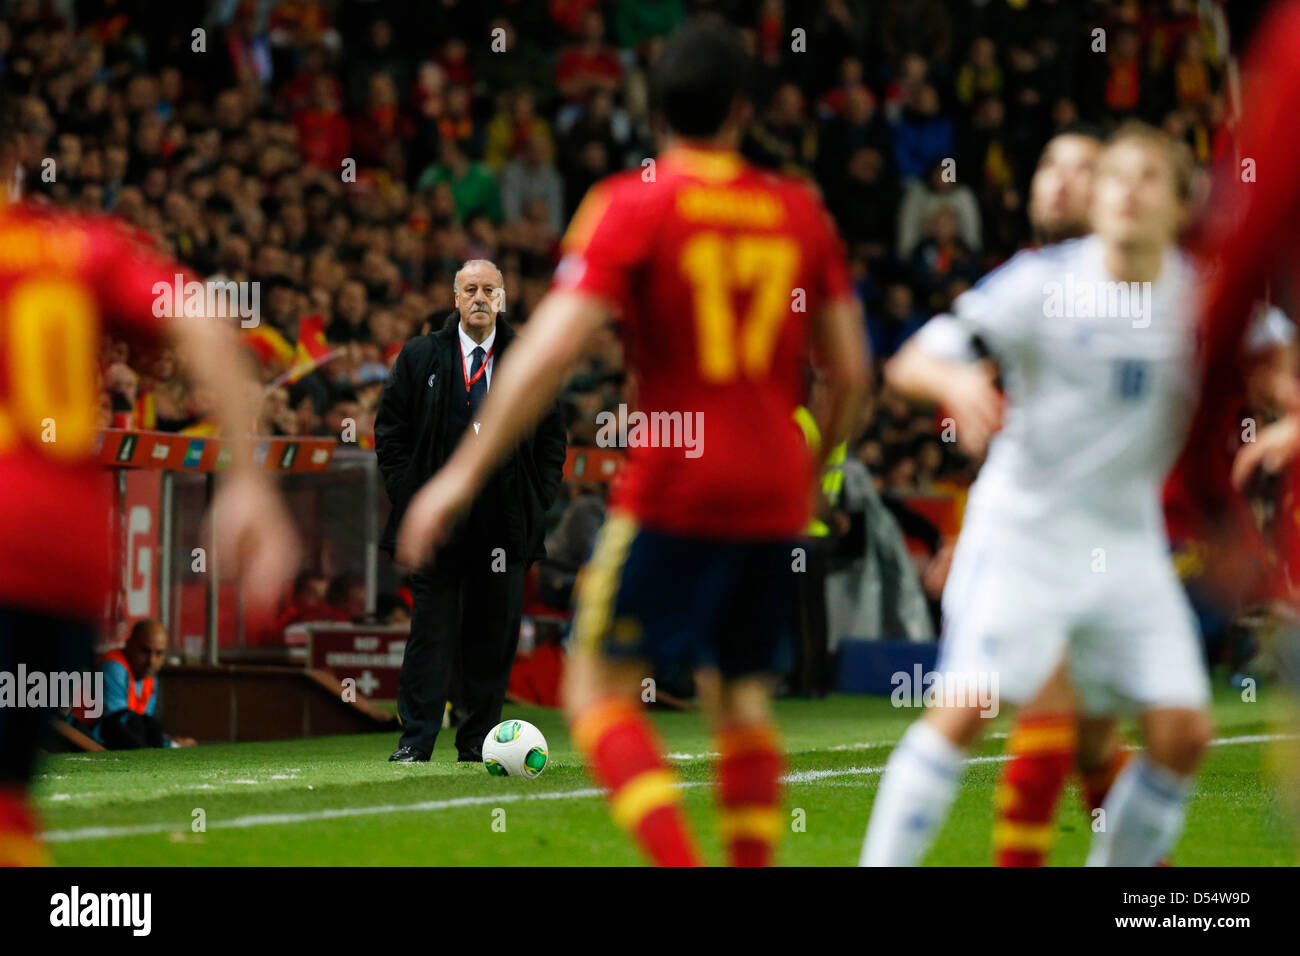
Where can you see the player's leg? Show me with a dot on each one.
(624, 754)
(749, 767)
(622, 751)
(918, 786)
(1146, 807)
(1152, 657)
(1101, 757)
(752, 644)
(38, 644)
(1042, 748)
(1002, 626)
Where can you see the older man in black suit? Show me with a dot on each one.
(467, 605)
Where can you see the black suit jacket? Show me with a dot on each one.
(413, 438)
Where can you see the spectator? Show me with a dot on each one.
(867, 203)
(784, 138)
(532, 178)
(346, 598)
(589, 66)
(855, 125)
(980, 76)
(473, 186)
(941, 257)
(923, 198)
(922, 137)
(518, 132)
(524, 69)
(322, 131)
(891, 325)
(1123, 86)
(307, 601)
(380, 124)
(1194, 79)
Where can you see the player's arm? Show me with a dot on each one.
(945, 362)
(556, 336)
(840, 353)
(208, 351)
(249, 522)
(250, 525)
(926, 369)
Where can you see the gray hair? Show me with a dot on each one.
(455, 282)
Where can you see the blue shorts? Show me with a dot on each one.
(681, 603)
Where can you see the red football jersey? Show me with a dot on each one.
(1251, 234)
(713, 268)
(63, 281)
(1200, 469)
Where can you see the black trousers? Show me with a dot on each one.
(462, 612)
(41, 643)
(810, 676)
(126, 730)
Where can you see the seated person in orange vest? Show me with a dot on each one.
(130, 703)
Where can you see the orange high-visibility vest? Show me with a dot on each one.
(137, 703)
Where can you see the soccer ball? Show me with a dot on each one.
(514, 748)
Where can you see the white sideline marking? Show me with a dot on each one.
(806, 776)
(274, 819)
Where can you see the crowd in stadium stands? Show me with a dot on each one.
(476, 128)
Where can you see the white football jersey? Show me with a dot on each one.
(1099, 381)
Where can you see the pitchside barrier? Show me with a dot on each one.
(162, 483)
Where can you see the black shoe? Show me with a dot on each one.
(470, 756)
(406, 754)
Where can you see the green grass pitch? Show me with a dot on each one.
(336, 801)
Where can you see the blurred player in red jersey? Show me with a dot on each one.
(65, 282)
(721, 277)
(1253, 239)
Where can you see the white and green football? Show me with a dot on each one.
(514, 748)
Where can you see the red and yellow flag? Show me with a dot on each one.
(145, 413)
(268, 345)
(203, 428)
(312, 351)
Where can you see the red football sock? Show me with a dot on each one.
(749, 789)
(19, 845)
(1042, 753)
(624, 755)
(1097, 783)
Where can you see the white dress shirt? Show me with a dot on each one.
(467, 347)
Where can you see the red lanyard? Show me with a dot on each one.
(469, 382)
